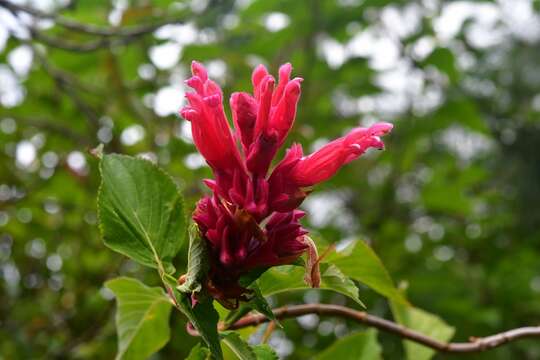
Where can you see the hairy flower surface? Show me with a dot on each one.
(251, 220)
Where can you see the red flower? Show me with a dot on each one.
(324, 163)
(251, 221)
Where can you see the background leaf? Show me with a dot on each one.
(423, 322)
(444, 60)
(359, 262)
(358, 346)
(142, 318)
(141, 211)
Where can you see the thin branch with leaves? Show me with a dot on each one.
(476, 344)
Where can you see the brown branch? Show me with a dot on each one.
(110, 37)
(475, 345)
(91, 29)
(63, 84)
(85, 47)
(132, 102)
(51, 126)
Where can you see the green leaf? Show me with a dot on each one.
(444, 60)
(141, 211)
(265, 352)
(282, 278)
(257, 302)
(198, 265)
(142, 318)
(199, 352)
(204, 318)
(423, 322)
(238, 346)
(462, 111)
(359, 262)
(246, 352)
(234, 315)
(334, 279)
(358, 346)
(289, 278)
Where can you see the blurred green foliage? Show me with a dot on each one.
(451, 207)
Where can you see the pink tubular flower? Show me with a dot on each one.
(324, 163)
(251, 221)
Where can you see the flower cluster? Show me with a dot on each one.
(251, 220)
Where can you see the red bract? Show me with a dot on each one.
(251, 220)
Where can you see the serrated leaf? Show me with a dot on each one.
(265, 352)
(289, 278)
(423, 322)
(199, 352)
(142, 318)
(204, 318)
(358, 346)
(141, 211)
(238, 346)
(198, 265)
(359, 262)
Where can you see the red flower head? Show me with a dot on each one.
(251, 221)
